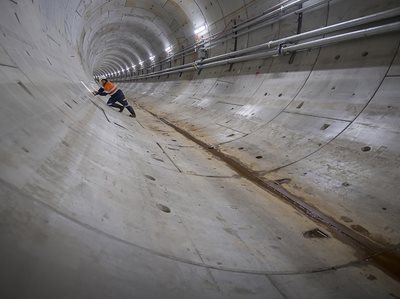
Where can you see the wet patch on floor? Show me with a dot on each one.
(360, 229)
(346, 219)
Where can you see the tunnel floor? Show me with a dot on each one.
(124, 207)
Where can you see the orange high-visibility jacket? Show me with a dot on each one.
(110, 88)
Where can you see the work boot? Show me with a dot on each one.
(121, 108)
(130, 109)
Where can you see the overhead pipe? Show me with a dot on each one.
(312, 33)
(395, 12)
(275, 10)
(271, 9)
(343, 37)
(270, 22)
(287, 49)
(271, 14)
(328, 29)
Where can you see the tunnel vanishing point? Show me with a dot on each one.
(264, 161)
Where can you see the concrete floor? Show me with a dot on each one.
(95, 204)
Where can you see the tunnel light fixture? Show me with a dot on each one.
(152, 57)
(168, 49)
(141, 63)
(133, 66)
(200, 29)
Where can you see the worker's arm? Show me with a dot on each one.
(100, 92)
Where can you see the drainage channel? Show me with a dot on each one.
(387, 259)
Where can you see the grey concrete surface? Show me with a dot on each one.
(83, 187)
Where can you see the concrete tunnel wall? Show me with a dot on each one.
(67, 167)
(309, 119)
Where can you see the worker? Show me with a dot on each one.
(116, 94)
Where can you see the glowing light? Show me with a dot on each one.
(168, 49)
(141, 63)
(199, 30)
(152, 57)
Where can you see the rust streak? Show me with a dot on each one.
(383, 257)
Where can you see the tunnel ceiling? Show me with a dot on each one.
(119, 34)
(257, 170)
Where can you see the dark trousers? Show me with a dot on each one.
(118, 97)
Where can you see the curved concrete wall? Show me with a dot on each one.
(83, 187)
(309, 119)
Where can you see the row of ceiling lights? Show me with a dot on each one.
(200, 30)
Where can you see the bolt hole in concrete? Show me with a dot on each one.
(150, 177)
(315, 233)
(230, 135)
(300, 105)
(279, 95)
(259, 157)
(345, 184)
(364, 54)
(240, 148)
(325, 126)
(163, 208)
(366, 148)
(337, 57)
(265, 94)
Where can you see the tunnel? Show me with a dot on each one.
(263, 161)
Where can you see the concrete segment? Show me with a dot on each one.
(94, 204)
